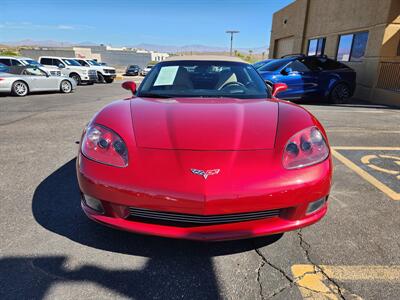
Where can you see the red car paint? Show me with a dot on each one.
(245, 140)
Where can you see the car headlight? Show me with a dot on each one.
(305, 148)
(103, 145)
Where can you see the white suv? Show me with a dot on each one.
(104, 73)
(71, 68)
(15, 61)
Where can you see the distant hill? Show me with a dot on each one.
(150, 47)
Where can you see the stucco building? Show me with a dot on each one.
(364, 34)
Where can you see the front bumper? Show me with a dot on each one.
(291, 196)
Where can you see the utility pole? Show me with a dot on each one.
(231, 32)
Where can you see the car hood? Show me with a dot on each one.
(204, 123)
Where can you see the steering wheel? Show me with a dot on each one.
(232, 84)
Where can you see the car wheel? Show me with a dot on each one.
(109, 80)
(20, 89)
(77, 78)
(100, 78)
(340, 93)
(65, 87)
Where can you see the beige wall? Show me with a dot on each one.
(307, 19)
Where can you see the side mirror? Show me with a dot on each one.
(287, 71)
(277, 88)
(130, 86)
(61, 66)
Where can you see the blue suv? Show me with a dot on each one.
(309, 77)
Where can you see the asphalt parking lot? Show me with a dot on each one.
(49, 249)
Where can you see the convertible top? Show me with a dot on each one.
(206, 58)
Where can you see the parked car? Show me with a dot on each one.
(22, 80)
(133, 70)
(26, 61)
(204, 155)
(104, 73)
(146, 70)
(310, 77)
(70, 68)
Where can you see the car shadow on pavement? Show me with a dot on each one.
(175, 268)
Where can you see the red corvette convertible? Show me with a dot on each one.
(204, 151)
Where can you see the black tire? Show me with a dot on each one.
(65, 87)
(109, 80)
(100, 78)
(19, 88)
(340, 93)
(76, 77)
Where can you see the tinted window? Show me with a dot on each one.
(274, 65)
(46, 61)
(3, 68)
(71, 62)
(352, 46)
(316, 47)
(33, 72)
(82, 63)
(5, 61)
(312, 63)
(203, 79)
(344, 47)
(330, 64)
(57, 62)
(15, 62)
(298, 66)
(359, 45)
(312, 47)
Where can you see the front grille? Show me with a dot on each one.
(189, 219)
(92, 72)
(110, 71)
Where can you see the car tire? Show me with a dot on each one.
(340, 93)
(77, 78)
(109, 80)
(100, 78)
(65, 87)
(19, 88)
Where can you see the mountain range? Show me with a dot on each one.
(150, 47)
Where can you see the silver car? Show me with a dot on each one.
(20, 81)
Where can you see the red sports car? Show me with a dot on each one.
(204, 151)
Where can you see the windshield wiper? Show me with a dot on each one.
(151, 95)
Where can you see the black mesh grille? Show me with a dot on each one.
(188, 219)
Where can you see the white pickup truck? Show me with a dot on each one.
(17, 61)
(71, 68)
(104, 73)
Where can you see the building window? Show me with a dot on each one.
(316, 47)
(352, 46)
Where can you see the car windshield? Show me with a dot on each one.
(274, 65)
(71, 62)
(149, 67)
(32, 62)
(203, 79)
(133, 67)
(94, 63)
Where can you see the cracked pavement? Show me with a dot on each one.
(49, 249)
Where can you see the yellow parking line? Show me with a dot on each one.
(365, 148)
(388, 191)
(315, 284)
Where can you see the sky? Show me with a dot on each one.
(130, 22)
